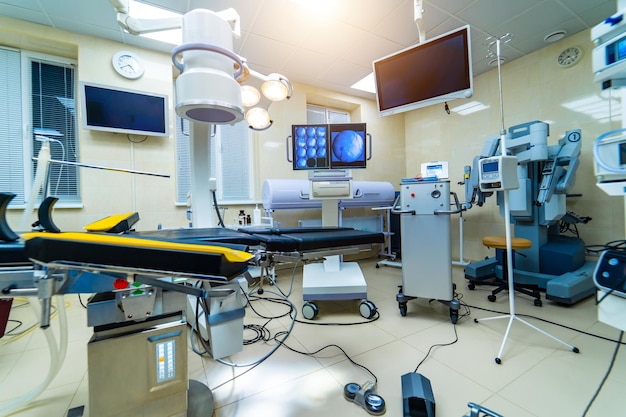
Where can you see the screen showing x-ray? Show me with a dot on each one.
(348, 146)
(310, 146)
(329, 146)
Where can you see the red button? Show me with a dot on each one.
(120, 284)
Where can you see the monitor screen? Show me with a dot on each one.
(310, 146)
(347, 142)
(124, 111)
(431, 72)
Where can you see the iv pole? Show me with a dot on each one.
(507, 223)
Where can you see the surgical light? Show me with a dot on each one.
(258, 118)
(275, 89)
(249, 96)
(206, 90)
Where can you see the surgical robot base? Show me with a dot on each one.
(427, 255)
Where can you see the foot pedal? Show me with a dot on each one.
(365, 396)
(417, 396)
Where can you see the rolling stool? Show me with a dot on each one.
(517, 243)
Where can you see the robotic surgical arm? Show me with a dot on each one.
(559, 171)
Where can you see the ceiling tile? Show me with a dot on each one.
(328, 49)
(488, 14)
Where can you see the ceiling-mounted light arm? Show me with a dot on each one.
(140, 26)
(418, 12)
(206, 47)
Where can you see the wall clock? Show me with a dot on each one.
(128, 65)
(569, 56)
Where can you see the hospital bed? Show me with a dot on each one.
(140, 284)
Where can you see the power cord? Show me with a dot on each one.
(312, 354)
(606, 375)
(467, 313)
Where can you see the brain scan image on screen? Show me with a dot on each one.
(310, 144)
(348, 146)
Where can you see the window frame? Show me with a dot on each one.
(26, 58)
(219, 158)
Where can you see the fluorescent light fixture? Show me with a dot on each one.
(366, 84)
(146, 11)
(469, 108)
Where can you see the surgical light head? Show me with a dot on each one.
(215, 84)
(206, 89)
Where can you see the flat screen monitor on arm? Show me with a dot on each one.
(432, 72)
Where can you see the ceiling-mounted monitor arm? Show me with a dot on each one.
(418, 11)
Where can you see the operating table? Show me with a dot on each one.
(140, 284)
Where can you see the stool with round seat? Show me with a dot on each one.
(517, 243)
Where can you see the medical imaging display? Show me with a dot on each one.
(310, 147)
(348, 146)
(328, 146)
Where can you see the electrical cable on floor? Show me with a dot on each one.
(312, 354)
(551, 322)
(606, 375)
(467, 313)
(275, 348)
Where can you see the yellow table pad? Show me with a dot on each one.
(231, 255)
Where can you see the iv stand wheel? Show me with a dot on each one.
(367, 309)
(491, 298)
(310, 310)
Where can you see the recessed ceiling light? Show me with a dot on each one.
(494, 62)
(367, 83)
(555, 36)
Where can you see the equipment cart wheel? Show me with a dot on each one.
(471, 286)
(491, 298)
(537, 302)
(402, 307)
(367, 309)
(310, 310)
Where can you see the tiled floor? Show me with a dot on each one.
(538, 376)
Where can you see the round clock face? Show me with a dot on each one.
(569, 56)
(128, 65)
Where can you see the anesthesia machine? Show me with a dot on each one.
(545, 175)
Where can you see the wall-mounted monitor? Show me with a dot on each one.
(431, 72)
(117, 110)
(347, 142)
(329, 146)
